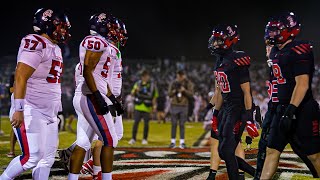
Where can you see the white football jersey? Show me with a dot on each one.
(97, 43)
(78, 77)
(43, 87)
(115, 71)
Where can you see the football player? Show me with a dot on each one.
(37, 95)
(233, 80)
(273, 103)
(297, 114)
(96, 52)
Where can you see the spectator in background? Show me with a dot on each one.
(197, 103)
(13, 138)
(146, 93)
(180, 91)
(129, 105)
(161, 101)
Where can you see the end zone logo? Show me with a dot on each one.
(46, 14)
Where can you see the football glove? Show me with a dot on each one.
(286, 119)
(118, 106)
(215, 121)
(101, 103)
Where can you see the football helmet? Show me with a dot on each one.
(223, 38)
(109, 27)
(281, 28)
(53, 23)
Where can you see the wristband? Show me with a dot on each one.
(19, 104)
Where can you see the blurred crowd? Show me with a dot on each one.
(162, 71)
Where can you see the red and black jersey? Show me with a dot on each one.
(272, 85)
(231, 71)
(295, 59)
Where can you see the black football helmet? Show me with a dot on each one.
(281, 28)
(223, 38)
(53, 23)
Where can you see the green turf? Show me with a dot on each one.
(159, 136)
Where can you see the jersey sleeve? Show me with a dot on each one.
(31, 51)
(244, 74)
(303, 59)
(242, 59)
(94, 43)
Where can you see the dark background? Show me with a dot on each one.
(165, 28)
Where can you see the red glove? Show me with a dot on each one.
(215, 124)
(252, 129)
(215, 121)
(237, 126)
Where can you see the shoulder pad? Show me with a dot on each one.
(301, 47)
(94, 43)
(33, 42)
(241, 58)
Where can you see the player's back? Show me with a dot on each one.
(97, 43)
(43, 87)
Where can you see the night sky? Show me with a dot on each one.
(166, 28)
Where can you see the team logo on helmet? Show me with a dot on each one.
(46, 14)
(231, 31)
(101, 17)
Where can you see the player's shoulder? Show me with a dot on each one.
(241, 58)
(301, 47)
(34, 42)
(94, 43)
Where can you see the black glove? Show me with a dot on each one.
(117, 105)
(286, 119)
(112, 110)
(101, 103)
(209, 106)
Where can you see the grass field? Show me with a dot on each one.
(159, 136)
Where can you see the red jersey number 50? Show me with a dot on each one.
(223, 82)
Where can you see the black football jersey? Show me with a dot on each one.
(295, 59)
(272, 85)
(231, 71)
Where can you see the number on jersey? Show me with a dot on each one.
(104, 72)
(223, 82)
(55, 72)
(278, 74)
(31, 44)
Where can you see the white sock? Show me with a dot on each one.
(39, 173)
(72, 176)
(96, 169)
(181, 141)
(173, 141)
(13, 170)
(107, 176)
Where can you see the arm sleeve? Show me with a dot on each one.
(244, 74)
